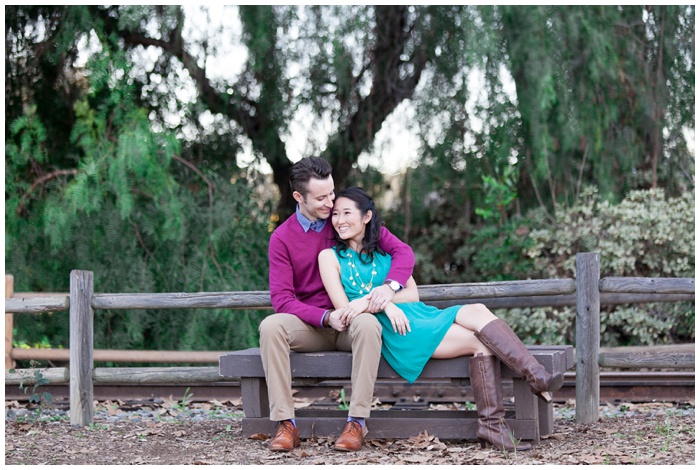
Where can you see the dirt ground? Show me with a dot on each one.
(210, 434)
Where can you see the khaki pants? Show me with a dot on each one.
(280, 333)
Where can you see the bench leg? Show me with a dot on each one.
(526, 407)
(546, 412)
(256, 403)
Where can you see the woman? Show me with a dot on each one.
(414, 332)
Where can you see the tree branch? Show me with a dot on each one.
(39, 182)
(387, 90)
(257, 123)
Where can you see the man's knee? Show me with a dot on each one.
(366, 324)
(271, 325)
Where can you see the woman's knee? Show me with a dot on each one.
(474, 316)
(483, 312)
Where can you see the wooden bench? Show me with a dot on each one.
(530, 419)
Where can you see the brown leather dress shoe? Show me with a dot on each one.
(352, 437)
(286, 439)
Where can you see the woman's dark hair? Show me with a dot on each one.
(363, 201)
(306, 169)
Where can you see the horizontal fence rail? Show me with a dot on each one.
(646, 360)
(37, 304)
(261, 300)
(252, 300)
(496, 289)
(565, 300)
(121, 355)
(154, 375)
(54, 375)
(648, 285)
(121, 375)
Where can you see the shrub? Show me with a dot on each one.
(646, 235)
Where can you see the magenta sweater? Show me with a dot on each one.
(295, 280)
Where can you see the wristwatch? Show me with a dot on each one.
(395, 286)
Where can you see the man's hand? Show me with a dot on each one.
(337, 322)
(379, 298)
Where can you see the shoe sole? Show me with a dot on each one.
(340, 449)
(283, 449)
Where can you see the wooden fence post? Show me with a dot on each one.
(81, 347)
(9, 322)
(587, 337)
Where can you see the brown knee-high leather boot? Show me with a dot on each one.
(485, 378)
(505, 344)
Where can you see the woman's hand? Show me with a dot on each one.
(353, 309)
(398, 319)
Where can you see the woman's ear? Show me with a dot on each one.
(368, 217)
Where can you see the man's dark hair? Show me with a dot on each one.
(306, 169)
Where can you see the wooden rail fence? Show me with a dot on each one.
(588, 291)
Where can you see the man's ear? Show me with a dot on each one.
(297, 196)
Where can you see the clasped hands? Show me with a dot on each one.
(376, 301)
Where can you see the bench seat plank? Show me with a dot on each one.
(247, 363)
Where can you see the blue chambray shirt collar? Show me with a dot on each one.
(306, 224)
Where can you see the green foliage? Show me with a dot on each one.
(588, 102)
(500, 194)
(344, 405)
(139, 222)
(495, 253)
(646, 235)
(132, 256)
(623, 325)
(648, 324)
(542, 325)
(36, 395)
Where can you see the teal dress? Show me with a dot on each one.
(407, 355)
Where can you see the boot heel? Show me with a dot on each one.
(484, 443)
(555, 383)
(544, 396)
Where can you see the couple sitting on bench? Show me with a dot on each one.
(325, 279)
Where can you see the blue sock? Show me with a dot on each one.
(292, 420)
(361, 421)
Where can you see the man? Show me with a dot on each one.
(305, 319)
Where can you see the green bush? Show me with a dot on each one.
(545, 325)
(622, 325)
(646, 235)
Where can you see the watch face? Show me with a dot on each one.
(394, 286)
